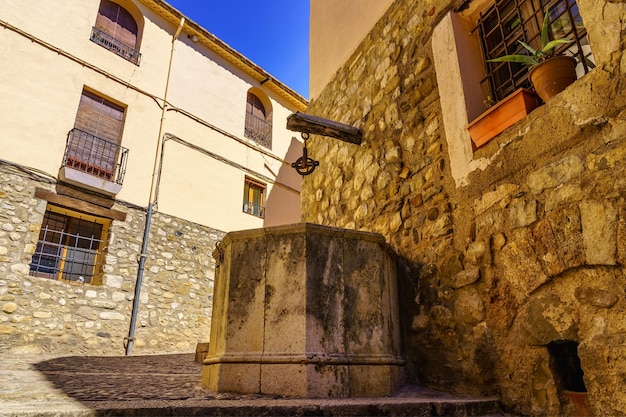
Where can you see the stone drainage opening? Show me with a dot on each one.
(565, 365)
(568, 375)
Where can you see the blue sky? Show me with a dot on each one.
(273, 34)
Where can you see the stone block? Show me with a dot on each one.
(368, 379)
(9, 308)
(522, 213)
(621, 236)
(546, 247)
(599, 225)
(202, 350)
(286, 379)
(555, 174)
(519, 265)
(242, 378)
(466, 277)
(596, 297)
(489, 199)
(567, 229)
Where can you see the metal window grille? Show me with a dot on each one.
(118, 47)
(259, 130)
(95, 156)
(68, 249)
(509, 21)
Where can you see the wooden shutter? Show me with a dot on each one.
(95, 148)
(255, 107)
(99, 117)
(115, 21)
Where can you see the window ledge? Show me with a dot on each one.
(90, 182)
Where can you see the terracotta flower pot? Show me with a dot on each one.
(502, 116)
(552, 76)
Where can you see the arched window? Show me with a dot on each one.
(116, 30)
(258, 121)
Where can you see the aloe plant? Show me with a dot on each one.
(536, 56)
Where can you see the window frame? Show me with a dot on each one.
(459, 68)
(117, 36)
(57, 268)
(258, 119)
(524, 19)
(252, 204)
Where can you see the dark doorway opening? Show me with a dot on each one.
(565, 365)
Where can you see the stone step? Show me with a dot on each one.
(169, 385)
(249, 406)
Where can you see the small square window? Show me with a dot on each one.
(253, 197)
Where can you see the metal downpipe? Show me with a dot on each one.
(130, 340)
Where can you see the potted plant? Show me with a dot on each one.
(549, 73)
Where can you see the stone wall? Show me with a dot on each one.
(530, 251)
(40, 315)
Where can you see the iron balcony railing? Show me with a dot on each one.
(254, 208)
(95, 156)
(118, 47)
(259, 130)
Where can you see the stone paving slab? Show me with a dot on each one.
(169, 385)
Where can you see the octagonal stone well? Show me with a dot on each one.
(304, 311)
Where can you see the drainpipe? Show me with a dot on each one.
(130, 340)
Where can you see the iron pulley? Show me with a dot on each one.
(305, 165)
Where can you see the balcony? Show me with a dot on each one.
(259, 130)
(119, 48)
(93, 163)
(254, 208)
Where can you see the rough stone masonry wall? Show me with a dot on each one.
(531, 251)
(40, 315)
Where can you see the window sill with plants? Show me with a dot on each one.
(549, 73)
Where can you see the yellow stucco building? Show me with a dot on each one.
(114, 110)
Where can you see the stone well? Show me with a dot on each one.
(304, 311)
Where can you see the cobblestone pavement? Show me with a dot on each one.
(33, 385)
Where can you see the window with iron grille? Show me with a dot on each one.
(506, 22)
(253, 197)
(116, 30)
(258, 122)
(70, 247)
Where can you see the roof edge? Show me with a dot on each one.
(222, 49)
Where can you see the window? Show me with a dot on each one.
(253, 197)
(258, 121)
(507, 22)
(93, 145)
(461, 73)
(70, 247)
(116, 30)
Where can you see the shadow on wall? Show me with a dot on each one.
(283, 204)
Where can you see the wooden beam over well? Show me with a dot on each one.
(306, 123)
